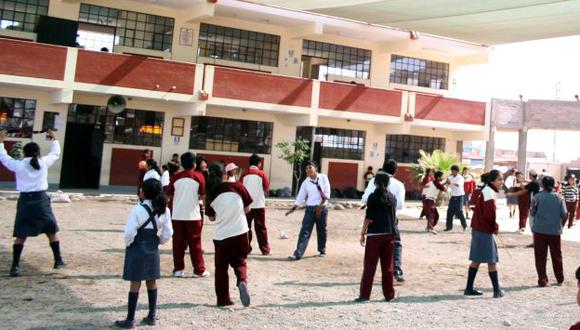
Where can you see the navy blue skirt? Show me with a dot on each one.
(483, 248)
(142, 257)
(34, 215)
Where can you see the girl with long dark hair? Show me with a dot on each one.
(378, 238)
(34, 215)
(153, 171)
(142, 240)
(227, 205)
(484, 226)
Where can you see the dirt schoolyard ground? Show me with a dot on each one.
(313, 293)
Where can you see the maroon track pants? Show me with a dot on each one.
(232, 251)
(524, 208)
(541, 244)
(431, 213)
(571, 207)
(259, 218)
(378, 247)
(188, 234)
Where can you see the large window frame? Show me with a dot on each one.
(419, 72)
(222, 42)
(336, 143)
(22, 15)
(17, 115)
(231, 135)
(342, 60)
(132, 29)
(405, 148)
(131, 127)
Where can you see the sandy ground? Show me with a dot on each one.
(314, 293)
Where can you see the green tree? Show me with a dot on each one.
(294, 153)
(437, 160)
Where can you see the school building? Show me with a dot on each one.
(225, 79)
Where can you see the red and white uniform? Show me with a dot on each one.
(230, 235)
(186, 188)
(256, 182)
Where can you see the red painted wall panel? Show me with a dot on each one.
(5, 174)
(124, 167)
(134, 71)
(342, 175)
(405, 175)
(259, 87)
(29, 59)
(359, 98)
(440, 108)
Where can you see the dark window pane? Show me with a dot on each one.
(419, 72)
(405, 148)
(17, 115)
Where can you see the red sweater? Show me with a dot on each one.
(484, 212)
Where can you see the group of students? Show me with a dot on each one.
(178, 210)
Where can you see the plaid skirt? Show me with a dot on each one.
(34, 215)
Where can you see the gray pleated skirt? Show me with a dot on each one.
(483, 248)
(34, 215)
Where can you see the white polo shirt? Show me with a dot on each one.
(457, 190)
(228, 209)
(256, 181)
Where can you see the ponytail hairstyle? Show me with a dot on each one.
(214, 179)
(153, 165)
(489, 177)
(153, 191)
(32, 150)
(382, 180)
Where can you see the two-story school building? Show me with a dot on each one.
(225, 79)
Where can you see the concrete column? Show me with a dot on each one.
(522, 149)
(490, 150)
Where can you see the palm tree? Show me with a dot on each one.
(437, 160)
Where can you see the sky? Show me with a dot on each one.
(542, 69)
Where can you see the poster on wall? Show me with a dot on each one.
(186, 37)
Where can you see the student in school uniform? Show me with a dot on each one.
(397, 188)
(142, 239)
(314, 192)
(523, 202)
(186, 189)
(34, 215)
(484, 226)
(153, 171)
(454, 209)
(378, 238)
(142, 166)
(570, 193)
(429, 175)
(227, 205)
(548, 209)
(232, 172)
(432, 190)
(257, 184)
(468, 187)
(165, 176)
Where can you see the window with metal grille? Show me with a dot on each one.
(231, 135)
(132, 29)
(419, 72)
(21, 15)
(17, 116)
(220, 42)
(341, 60)
(405, 148)
(135, 127)
(336, 143)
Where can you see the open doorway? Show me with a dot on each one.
(83, 148)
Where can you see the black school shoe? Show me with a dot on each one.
(498, 294)
(14, 272)
(125, 324)
(59, 264)
(148, 321)
(472, 292)
(361, 300)
(399, 278)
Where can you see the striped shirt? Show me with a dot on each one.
(570, 193)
